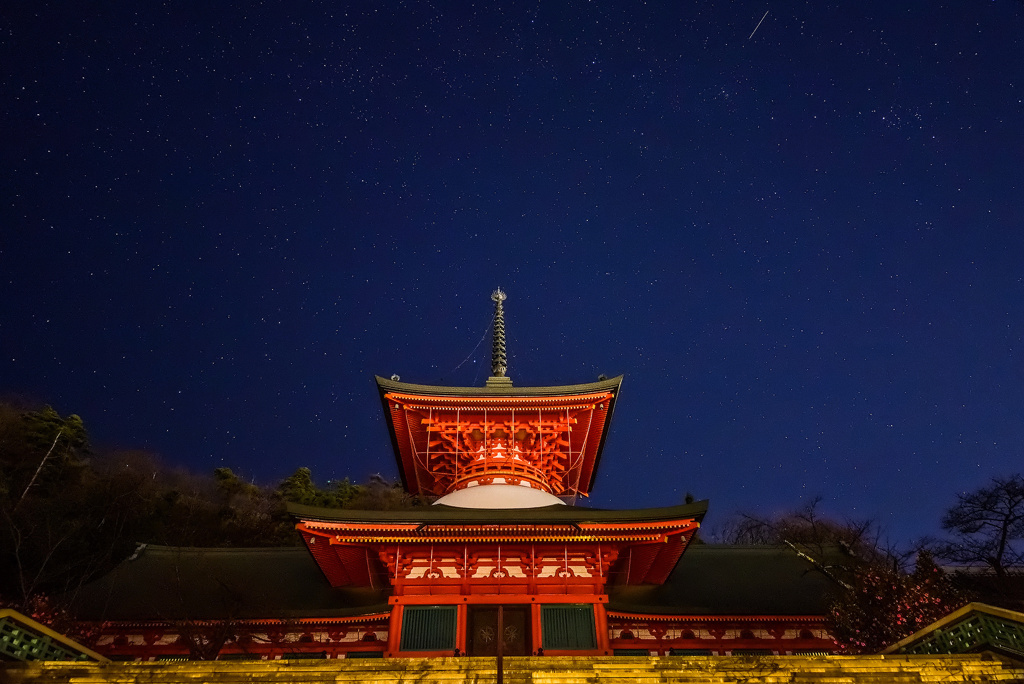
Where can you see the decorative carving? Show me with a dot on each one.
(452, 444)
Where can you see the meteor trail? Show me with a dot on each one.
(758, 24)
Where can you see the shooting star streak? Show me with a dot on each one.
(758, 24)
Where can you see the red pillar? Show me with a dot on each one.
(394, 631)
(601, 624)
(535, 628)
(461, 623)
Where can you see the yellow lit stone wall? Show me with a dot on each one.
(535, 670)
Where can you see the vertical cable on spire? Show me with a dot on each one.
(499, 357)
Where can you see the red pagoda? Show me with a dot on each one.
(499, 546)
(499, 564)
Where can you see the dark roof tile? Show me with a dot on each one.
(501, 516)
(167, 583)
(713, 579)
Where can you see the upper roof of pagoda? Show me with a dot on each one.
(606, 385)
(550, 438)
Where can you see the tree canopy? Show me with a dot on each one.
(69, 513)
(986, 527)
(807, 527)
(882, 604)
(876, 602)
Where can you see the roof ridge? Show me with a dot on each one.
(160, 548)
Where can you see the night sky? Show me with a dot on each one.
(802, 247)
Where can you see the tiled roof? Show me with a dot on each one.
(501, 395)
(713, 579)
(557, 513)
(166, 583)
(611, 384)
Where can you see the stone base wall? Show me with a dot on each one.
(536, 670)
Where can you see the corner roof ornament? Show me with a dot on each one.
(499, 358)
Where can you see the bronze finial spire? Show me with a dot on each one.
(499, 359)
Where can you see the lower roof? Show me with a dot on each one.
(169, 583)
(164, 583)
(450, 515)
(719, 579)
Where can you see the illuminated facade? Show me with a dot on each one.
(498, 565)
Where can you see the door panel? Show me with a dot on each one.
(483, 630)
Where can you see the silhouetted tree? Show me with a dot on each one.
(69, 514)
(876, 602)
(377, 494)
(987, 527)
(250, 515)
(43, 484)
(808, 529)
(299, 488)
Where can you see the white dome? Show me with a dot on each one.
(499, 496)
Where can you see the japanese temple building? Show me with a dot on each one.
(499, 564)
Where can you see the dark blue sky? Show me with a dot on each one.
(802, 247)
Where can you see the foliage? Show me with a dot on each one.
(876, 601)
(987, 527)
(55, 615)
(883, 605)
(299, 488)
(69, 514)
(249, 515)
(808, 529)
(45, 506)
(376, 495)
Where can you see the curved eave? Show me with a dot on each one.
(617, 614)
(447, 515)
(610, 385)
(379, 613)
(384, 386)
(498, 539)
